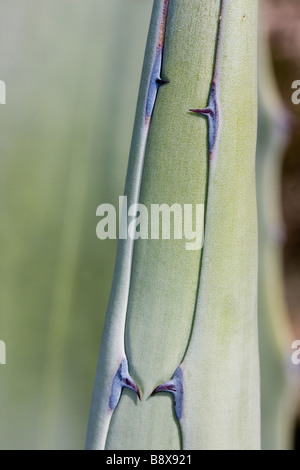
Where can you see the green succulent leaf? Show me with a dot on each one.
(181, 326)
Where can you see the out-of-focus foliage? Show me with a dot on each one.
(277, 385)
(283, 21)
(72, 71)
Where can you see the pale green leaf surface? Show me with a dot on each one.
(220, 370)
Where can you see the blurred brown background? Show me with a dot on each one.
(283, 25)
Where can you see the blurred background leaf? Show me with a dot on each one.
(282, 24)
(72, 72)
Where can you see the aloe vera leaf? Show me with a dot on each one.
(165, 275)
(221, 399)
(112, 354)
(229, 318)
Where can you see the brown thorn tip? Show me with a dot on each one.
(160, 81)
(199, 111)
